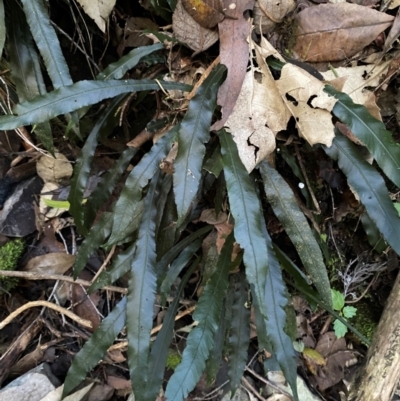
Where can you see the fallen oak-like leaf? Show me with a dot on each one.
(207, 13)
(189, 31)
(330, 32)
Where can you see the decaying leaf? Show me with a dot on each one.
(208, 13)
(51, 263)
(298, 88)
(188, 31)
(234, 53)
(46, 193)
(357, 79)
(52, 169)
(332, 32)
(98, 10)
(247, 123)
(268, 13)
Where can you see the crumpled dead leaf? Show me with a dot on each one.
(98, 10)
(297, 88)
(268, 13)
(51, 263)
(205, 12)
(330, 32)
(247, 123)
(188, 31)
(234, 53)
(52, 169)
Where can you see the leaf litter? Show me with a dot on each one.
(273, 96)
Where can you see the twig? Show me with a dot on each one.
(155, 330)
(41, 276)
(266, 381)
(203, 77)
(60, 309)
(105, 263)
(250, 387)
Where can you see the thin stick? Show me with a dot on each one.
(248, 386)
(105, 263)
(155, 330)
(203, 77)
(60, 309)
(40, 276)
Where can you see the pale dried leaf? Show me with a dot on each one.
(52, 169)
(393, 34)
(266, 50)
(276, 114)
(46, 211)
(261, 22)
(313, 123)
(188, 31)
(247, 123)
(98, 10)
(330, 32)
(56, 395)
(51, 263)
(276, 10)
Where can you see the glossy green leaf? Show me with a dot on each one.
(2, 27)
(282, 200)
(337, 300)
(106, 186)
(94, 349)
(99, 232)
(118, 69)
(25, 70)
(239, 334)
(370, 187)
(375, 238)
(276, 299)
(76, 96)
(370, 131)
(47, 42)
(120, 266)
(193, 134)
(246, 210)
(83, 164)
(177, 266)
(142, 291)
(136, 181)
(201, 339)
(159, 350)
(214, 163)
(56, 204)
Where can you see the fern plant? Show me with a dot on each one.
(151, 221)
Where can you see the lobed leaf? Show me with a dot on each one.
(106, 186)
(246, 210)
(193, 134)
(239, 337)
(118, 69)
(201, 339)
(2, 27)
(99, 232)
(142, 291)
(47, 42)
(94, 349)
(370, 131)
(83, 164)
(136, 181)
(276, 299)
(76, 96)
(120, 266)
(159, 350)
(370, 187)
(25, 70)
(282, 200)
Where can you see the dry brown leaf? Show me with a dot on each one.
(330, 32)
(393, 34)
(188, 31)
(234, 53)
(52, 169)
(247, 123)
(297, 87)
(52, 263)
(46, 192)
(205, 12)
(276, 10)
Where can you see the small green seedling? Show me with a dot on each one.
(345, 311)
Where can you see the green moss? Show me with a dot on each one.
(366, 319)
(9, 256)
(173, 359)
